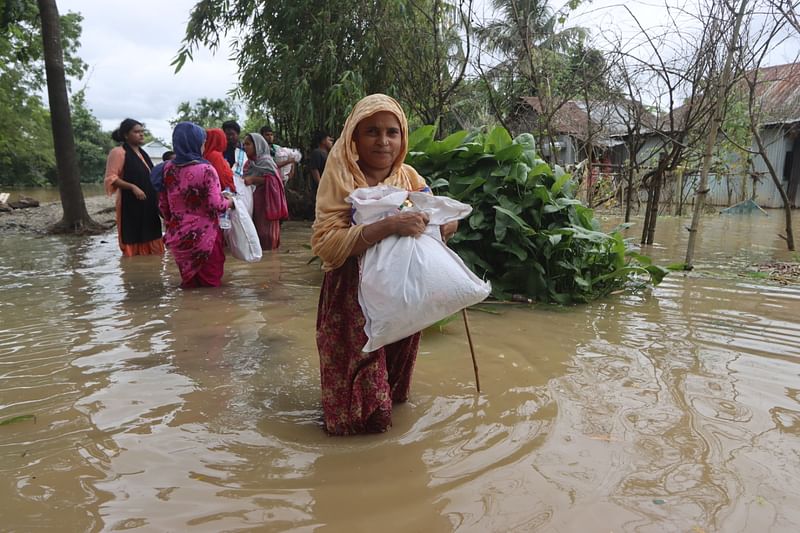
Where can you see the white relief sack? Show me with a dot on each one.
(241, 238)
(284, 157)
(409, 283)
(243, 192)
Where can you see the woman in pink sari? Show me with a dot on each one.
(269, 198)
(191, 204)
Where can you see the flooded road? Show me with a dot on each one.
(672, 409)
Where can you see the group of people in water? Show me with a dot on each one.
(190, 190)
(358, 388)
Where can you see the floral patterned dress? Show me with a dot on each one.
(191, 203)
(358, 388)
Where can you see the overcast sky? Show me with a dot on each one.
(129, 47)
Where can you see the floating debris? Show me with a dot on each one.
(15, 419)
(777, 271)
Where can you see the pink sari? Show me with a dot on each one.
(191, 203)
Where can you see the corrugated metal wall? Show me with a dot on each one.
(729, 190)
(777, 145)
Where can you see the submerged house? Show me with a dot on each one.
(576, 126)
(777, 99)
(778, 95)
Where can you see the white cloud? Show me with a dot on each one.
(129, 47)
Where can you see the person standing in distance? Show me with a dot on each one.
(128, 175)
(322, 143)
(234, 153)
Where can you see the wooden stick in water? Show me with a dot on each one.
(472, 351)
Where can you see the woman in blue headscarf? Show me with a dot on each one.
(191, 204)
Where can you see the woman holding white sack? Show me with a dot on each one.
(358, 388)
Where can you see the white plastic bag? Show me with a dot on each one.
(241, 238)
(244, 193)
(409, 283)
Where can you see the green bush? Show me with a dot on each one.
(527, 233)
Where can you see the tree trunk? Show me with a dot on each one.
(629, 195)
(716, 119)
(651, 226)
(679, 193)
(648, 210)
(75, 218)
(590, 179)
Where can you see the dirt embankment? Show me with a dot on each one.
(38, 219)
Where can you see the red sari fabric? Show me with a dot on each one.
(210, 274)
(269, 230)
(358, 388)
(216, 143)
(276, 198)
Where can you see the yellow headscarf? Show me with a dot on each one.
(333, 236)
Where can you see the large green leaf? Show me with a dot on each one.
(509, 153)
(559, 183)
(521, 223)
(421, 138)
(477, 219)
(497, 140)
(527, 141)
(451, 142)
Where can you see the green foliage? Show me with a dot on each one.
(26, 142)
(206, 112)
(256, 119)
(731, 154)
(527, 234)
(537, 56)
(305, 64)
(92, 144)
(426, 55)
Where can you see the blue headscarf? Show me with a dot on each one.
(187, 142)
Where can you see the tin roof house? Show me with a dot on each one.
(778, 96)
(155, 149)
(575, 126)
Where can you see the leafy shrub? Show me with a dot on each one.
(527, 234)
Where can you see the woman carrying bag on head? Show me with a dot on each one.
(128, 174)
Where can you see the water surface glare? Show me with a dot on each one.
(672, 409)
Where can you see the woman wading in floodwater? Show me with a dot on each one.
(358, 388)
(128, 174)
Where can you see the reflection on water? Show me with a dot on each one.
(676, 409)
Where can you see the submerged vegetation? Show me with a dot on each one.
(527, 233)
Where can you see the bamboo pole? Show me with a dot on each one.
(472, 351)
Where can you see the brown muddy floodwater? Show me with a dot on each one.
(672, 409)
